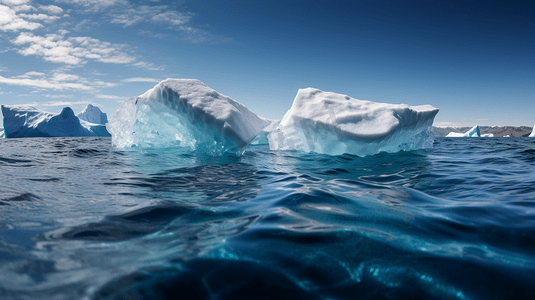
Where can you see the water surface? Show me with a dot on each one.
(83, 220)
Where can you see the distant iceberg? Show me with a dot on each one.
(93, 114)
(185, 113)
(532, 132)
(473, 132)
(26, 121)
(330, 123)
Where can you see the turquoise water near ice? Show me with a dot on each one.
(80, 219)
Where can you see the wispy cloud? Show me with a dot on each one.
(109, 97)
(56, 81)
(92, 6)
(58, 96)
(73, 50)
(64, 103)
(152, 14)
(140, 79)
(45, 84)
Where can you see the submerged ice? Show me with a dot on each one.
(331, 123)
(26, 121)
(185, 113)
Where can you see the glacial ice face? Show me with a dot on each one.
(93, 114)
(331, 123)
(184, 113)
(532, 132)
(261, 138)
(473, 132)
(26, 121)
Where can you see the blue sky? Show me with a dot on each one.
(472, 59)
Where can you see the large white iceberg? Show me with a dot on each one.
(26, 121)
(331, 123)
(185, 113)
(473, 132)
(93, 114)
(532, 132)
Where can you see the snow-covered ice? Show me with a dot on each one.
(93, 114)
(26, 121)
(532, 132)
(331, 123)
(185, 113)
(473, 132)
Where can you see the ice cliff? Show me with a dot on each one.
(332, 123)
(26, 121)
(185, 113)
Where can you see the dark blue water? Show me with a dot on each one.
(82, 220)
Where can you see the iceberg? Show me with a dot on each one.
(331, 123)
(532, 132)
(487, 135)
(26, 121)
(184, 113)
(473, 132)
(261, 138)
(93, 114)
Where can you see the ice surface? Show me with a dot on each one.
(473, 132)
(532, 132)
(93, 114)
(185, 113)
(261, 138)
(331, 123)
(26, 121)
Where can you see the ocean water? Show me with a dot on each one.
(80, 219)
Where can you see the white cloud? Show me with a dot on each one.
(64, 77)
(147, 65)
(14, 2)
(140, 79)
(94, 5)
(30, 74)
(73, 50)
(51, 9)
(58, 96)
(11, 21)
(63, 103)
(39, 17)
(153, 14)
(57, 81)
(45, 84)
(109, 97)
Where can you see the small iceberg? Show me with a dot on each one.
(185, 113)
(26, 121)
(473, 132)
(532, 132)
(331, 123)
